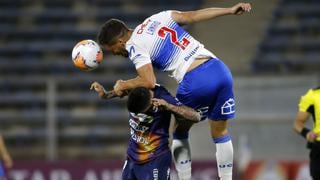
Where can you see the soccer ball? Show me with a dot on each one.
(87, 55)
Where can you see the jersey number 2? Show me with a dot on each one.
(173, 36)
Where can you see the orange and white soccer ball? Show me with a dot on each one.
(87, 55)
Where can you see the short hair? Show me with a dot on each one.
(110, 30)
(138, 100)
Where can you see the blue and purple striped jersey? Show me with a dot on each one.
(150, 131)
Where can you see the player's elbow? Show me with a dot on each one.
(183, 18)
(191, 17)
(150, 84)
(297, 127)
(294, 127)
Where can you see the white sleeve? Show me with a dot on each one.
(138, 56)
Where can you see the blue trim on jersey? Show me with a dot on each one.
(156, 49)
(181, 135)
(222, 139)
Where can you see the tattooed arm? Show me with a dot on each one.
(183, 111)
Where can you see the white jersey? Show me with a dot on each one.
(164, 43)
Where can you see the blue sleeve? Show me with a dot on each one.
(165, 95)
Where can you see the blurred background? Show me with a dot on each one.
(56, 128)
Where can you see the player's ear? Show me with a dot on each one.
(123, 38)
(121, 41)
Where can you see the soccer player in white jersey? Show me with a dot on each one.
(204, 81)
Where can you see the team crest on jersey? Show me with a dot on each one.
(152, 27)
(142, 117)
(228, 107)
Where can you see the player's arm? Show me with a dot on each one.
(4, 154)
(183, 111)
(299, 126)
(188, 17)
(145, 78)
(103, 93)
(306, 105)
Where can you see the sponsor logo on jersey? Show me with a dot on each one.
(134, 125)
(137, 138)
(152, 27)
(142, 26)
(193, 52)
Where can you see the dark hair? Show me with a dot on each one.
(110, 30)
(138, 100)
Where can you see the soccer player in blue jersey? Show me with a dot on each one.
(204, 81)
(6, 158)
(148, 154)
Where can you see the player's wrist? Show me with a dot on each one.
(168, 106)
(122, 86)
(230, 11)
(304, 132)
(103, 93)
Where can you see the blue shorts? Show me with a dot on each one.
(2, 174)
(209, 89)
(157, 169)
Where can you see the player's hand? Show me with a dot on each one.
(240, 8)
(7, 161)
(118, 88)
(311, 136)
(160, 103)
(98, 88)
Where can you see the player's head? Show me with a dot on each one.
(139, 100)
(113, 36)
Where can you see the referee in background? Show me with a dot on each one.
(310, 105)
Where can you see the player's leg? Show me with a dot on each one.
(224, 148)
(128, 171)
(211, 85)
(190, 93)
(218, 114)
(157, 169)
(222, 109)
(181, 149)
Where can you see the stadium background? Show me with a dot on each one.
(55, 128)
